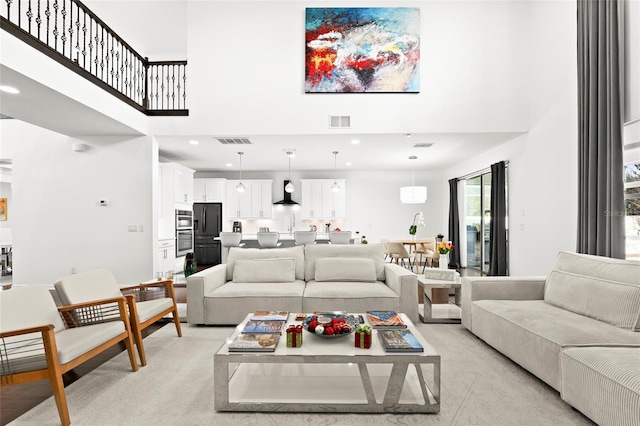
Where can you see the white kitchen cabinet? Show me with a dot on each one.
(261, 199)
(166, 257)
(208, 190)
(176, 186)
(254, 203)
(319, 202)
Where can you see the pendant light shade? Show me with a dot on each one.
(289, 186)
(335, 187)
(240, 186)
(413, 194)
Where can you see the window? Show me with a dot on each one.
(632, 209)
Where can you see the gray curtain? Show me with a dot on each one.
(454, 224)
(601, 229)
(498, 265)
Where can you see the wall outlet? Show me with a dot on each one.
(133, 228)
(140, 228)
(73, 270)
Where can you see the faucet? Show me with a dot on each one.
(292, 223)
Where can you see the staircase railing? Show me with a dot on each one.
(68, 32)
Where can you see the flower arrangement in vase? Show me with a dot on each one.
(444, 248)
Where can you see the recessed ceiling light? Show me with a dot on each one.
(348, 164)
(229, 165)
(9, 89)
(355, 141)
(194, 142)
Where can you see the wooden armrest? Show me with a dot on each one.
(67, 308)
(163, 283)
(38, 329)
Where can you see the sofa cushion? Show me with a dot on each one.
(603, 383)
(238, 253)
(615, 303)
(265, 271)
(345, 269)
(532, 333)
(313, 252)
(598, 287)
(349, 296)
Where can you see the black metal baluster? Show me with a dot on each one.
(29, 15)
(184, 87)
(47, 13)
(38, 20)
(101, 53)
(64, 22)
(90, 41)
(84, 39)
(55, 24)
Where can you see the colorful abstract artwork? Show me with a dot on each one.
(357, 50)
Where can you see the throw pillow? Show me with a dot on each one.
(278, 270)
(345, 269)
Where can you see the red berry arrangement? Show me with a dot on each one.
(334, 327)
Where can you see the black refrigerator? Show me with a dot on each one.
(207, 224)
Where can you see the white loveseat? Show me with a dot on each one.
(576, 329)
(317, 277)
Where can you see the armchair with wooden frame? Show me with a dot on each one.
(40, 341)
(152, 301)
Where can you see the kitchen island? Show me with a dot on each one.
(286, 240)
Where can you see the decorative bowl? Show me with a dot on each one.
(326, 319)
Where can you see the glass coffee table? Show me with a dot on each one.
(328, 375)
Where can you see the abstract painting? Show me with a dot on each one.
(3, 209)
(359, 50)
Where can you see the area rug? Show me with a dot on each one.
(479, 386)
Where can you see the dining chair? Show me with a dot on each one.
(268, 239)
(399, 254)
(426, 249)
(340, 237)
(302, 238)
(150, 302)
(385, 250)
(39, 341)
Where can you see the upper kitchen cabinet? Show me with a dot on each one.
(208, 190)
(319, 202)
(176, 184)
(254, 203)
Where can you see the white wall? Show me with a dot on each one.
(542, 164)
(246, 72)
(373, 203)
(57, 222)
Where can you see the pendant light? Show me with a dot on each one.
(413, 194)
(240, 186)
(335, 187)
(289, 186)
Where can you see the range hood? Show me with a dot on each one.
(287, 201)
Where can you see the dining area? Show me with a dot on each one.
(418, 254)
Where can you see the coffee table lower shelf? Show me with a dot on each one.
(366, 386)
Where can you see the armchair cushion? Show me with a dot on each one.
(150, 308)
(265, 271)
(345, 269)
(42, 309)
(92, 285)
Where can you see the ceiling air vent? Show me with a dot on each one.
(234, 141)
(339, 121)
(423, 145)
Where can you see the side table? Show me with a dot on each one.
(437, 308)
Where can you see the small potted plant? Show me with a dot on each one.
(418, 219)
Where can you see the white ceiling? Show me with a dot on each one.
(315, 152)
(41, 106)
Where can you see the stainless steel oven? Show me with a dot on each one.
(184, 241)
(184, 219)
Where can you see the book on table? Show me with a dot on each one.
(263, 326)
(270, 315)
(385, 320)
(254, 342)
(399, 340)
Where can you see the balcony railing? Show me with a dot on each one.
(68, 32)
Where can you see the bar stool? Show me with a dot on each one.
(268, 239)
(340, 237)
(302, 238)
(230, 239)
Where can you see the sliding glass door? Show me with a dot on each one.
(478, 221)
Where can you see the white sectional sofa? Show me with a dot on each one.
(316, 277)
(578, 329)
